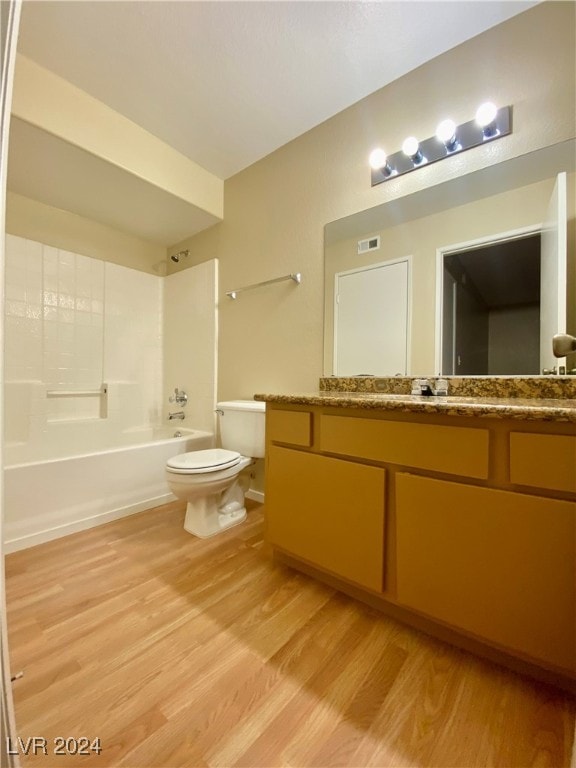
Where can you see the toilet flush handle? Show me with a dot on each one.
(219, 411)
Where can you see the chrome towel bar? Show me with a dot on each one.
(296, 276)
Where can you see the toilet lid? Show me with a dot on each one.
(203, 461)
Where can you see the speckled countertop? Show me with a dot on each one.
(501, 398)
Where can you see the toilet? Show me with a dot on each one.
(213, 482)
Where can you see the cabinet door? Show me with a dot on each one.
(328, 512)
(495, 563)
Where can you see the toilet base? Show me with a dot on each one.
(205, 523)
(208, 515)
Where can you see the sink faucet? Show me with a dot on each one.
(422, 387)
(177, 415)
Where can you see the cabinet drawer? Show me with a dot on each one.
(294, 427)
(495, 563)
(455, 450)
(329, 512)
(543, 461)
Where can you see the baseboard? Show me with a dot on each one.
(255, 496)
(49, 534)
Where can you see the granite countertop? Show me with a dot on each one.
(529, 408)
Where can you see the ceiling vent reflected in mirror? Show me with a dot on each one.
(369, 244)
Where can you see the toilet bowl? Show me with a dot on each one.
(214, 481)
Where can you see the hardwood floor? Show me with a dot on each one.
(176, 651)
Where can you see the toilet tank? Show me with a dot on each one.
(242, 426)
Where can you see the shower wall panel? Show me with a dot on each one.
(73, 324)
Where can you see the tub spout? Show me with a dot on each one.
(178, 415)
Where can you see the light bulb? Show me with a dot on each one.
(410, 146)
(377, 159)
(446, 133)
(485, 117)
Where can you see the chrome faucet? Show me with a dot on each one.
(180, 397)
(177, 415)
(422, 387)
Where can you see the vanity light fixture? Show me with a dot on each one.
(490, 123)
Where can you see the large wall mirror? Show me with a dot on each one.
(471, 277)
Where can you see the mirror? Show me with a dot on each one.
(412, 248)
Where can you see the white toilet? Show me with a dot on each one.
(210, 481)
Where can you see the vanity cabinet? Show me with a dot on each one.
(460, 523)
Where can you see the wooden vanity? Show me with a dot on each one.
(456, 515)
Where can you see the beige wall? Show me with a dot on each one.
(35, 221)
(271, 339)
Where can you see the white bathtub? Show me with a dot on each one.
(44, 500)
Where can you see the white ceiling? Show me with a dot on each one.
(226, 83)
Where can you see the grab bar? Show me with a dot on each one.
(78, 392)
(296, 276)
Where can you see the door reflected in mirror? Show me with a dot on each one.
(491, 309)
(371, 320)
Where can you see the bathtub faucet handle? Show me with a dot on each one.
(180, 397)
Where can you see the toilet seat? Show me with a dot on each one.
(197, 462)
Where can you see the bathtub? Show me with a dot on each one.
(44, 500)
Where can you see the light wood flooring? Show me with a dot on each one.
(176, 651)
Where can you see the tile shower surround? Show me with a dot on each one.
(71, 323)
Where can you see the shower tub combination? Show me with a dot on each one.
(44, 500)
